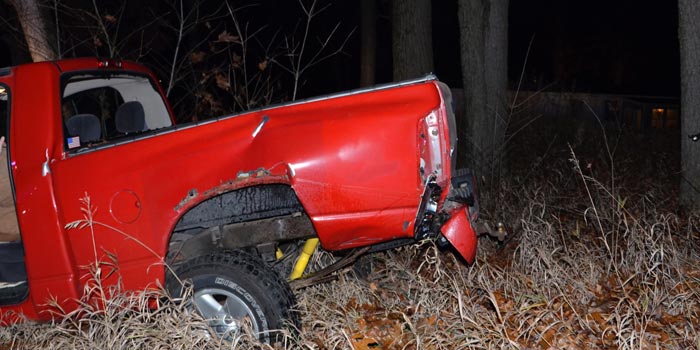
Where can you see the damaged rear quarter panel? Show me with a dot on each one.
(352, 161)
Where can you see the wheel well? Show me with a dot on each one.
(247, 217)
(245, 204)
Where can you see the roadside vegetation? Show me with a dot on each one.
(599, 256)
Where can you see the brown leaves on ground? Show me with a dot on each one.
(625, 276)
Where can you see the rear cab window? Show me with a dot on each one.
(100, 108)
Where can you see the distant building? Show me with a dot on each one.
(644, 112)
(628, 111)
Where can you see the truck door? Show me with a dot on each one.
(13, 276)
(110, 159)
(34, 262)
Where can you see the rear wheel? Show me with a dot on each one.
(232, 288)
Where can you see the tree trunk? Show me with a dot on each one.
(34, 28)
(368, 41)
(483, 28)
(689, 37)
(412, 37)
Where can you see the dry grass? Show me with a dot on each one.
(598, 259)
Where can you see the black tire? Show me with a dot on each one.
(231, 285)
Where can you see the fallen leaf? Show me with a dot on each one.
(547, 339)
(360, 342)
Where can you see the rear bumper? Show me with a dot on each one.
(458, 230)
(453, 220)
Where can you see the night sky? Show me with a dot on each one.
(621, 46)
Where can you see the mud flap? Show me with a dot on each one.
(459, 232)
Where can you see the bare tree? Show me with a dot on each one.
(368, 41)
(101, 29)
(483, 28)
(412, 37)
(301, 56)
(208, 61)
(35, 31)
(250, 87)
(689, 37)
(186, 22)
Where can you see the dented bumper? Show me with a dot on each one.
(460, 233)
(454, 221)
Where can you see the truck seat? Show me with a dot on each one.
(130, 117)
(85, 126)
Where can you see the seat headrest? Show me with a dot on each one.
(85, 126)
(130, 117)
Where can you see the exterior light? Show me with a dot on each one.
(108, 63)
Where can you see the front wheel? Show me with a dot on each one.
(233, 287)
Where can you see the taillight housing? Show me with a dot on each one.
(430, 147)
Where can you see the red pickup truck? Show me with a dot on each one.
(97, 168)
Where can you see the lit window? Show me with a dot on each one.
(657, 118)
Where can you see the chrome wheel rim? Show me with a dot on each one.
(224, 311)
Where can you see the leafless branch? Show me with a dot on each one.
(296, 52)
(101, 23)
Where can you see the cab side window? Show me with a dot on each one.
(101, 108)
(101, 103)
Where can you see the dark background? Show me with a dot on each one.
(624, 46)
